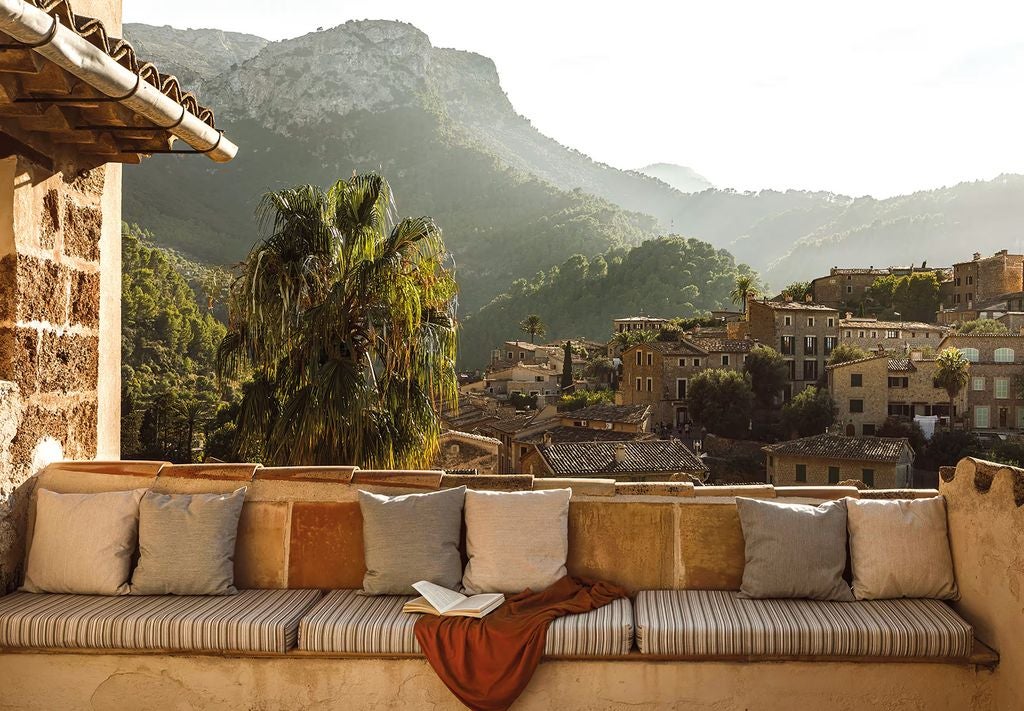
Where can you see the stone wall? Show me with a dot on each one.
(59, 320)
(985, 504)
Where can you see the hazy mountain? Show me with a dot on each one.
(376, 95)
(683, 179)
(192, 55)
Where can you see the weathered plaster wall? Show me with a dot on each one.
(985, 502)
(59, 328)
(98, 682)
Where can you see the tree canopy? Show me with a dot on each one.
(915, 297)
(982, 327)
(846, 352)
(768, 373)
(345, 317)
(722, 401)
(810, 412)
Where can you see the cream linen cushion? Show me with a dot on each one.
(515, 540)
(83, 543)
(900, 548)
(187, 544)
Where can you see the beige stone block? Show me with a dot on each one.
(490, 482)
(579, 486)
(898, 493)
(656, 488)
(326, 475)
(751, 491)
(261, 549)
(817, 492)
(627, 543)
(68, 362)
(225, 472)
(411, 479)
(711, 551)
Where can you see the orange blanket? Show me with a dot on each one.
(488, 662)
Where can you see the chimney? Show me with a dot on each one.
(620, 452)
(809, 298)
(977, 256)
(849, 315)
(787, 297)
(547, 438)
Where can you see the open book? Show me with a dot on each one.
(443, 602)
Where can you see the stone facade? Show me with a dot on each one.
(804, 333)
(59, 325)
(983, 279)
(844, 286)
(868, 391)
(783, 471)
(993, 393)
(901, 336)
(657, 374)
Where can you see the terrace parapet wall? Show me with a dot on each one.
(985, 504)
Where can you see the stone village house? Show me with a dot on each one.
(75, 103)
(993, 396)
(879, 462)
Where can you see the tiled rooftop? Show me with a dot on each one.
(631, 414)
(723, 345)
(829, 446)
(896, 325)
(583, 458)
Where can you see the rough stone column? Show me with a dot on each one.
(55, 231)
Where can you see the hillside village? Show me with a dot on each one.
(836, 380)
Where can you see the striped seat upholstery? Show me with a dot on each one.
(719, 623)
(349, 623)
(251, 621)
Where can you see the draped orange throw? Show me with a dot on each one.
(488, 662)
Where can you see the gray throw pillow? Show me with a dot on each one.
(794, 550)
(187, 544)
(411, 538)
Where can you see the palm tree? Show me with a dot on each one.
(533, 325)
(344, 319)
(744, 288)
(952, 372)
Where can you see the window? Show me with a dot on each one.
(981, 416)
(580, 423)
(978, 383)
(833, 475)
(792, 369)
(787, 320)
(510, 355)
(696, 362)
(810, 321)
(860, 334)
(849, 289)
(1002, 387)
(639, 358)
(868, 430)
(788, 347)
(897, 382)
(810, 370)
(682, 362)
(681, 389)
(650, 359)
(970, 297)
(891, 333)
(831, 322)
(801, 472)
(810, 345)
(849, 333)
(650, 385)
(899, 409)
(856, 380)
(874, 334)
(639, 384)
(522, 356)
(970, 280)
(1004, 355)
(971, 354)
(830, 344)
(868, 476)
(856, 406)
(725, 360)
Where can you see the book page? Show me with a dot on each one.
(441, 598)
(477, 603)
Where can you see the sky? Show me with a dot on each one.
(877, 98)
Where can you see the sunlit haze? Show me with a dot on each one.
(873, 98)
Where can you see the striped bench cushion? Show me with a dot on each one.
(719, 623)
(251, 621)
(349, 623)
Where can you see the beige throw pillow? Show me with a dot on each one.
(187, 544)
(900, 548)
(515, 540)
(83, 543)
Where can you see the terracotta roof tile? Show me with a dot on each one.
(583, 458)
(829, 446)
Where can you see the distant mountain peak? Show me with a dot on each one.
(680, 177)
